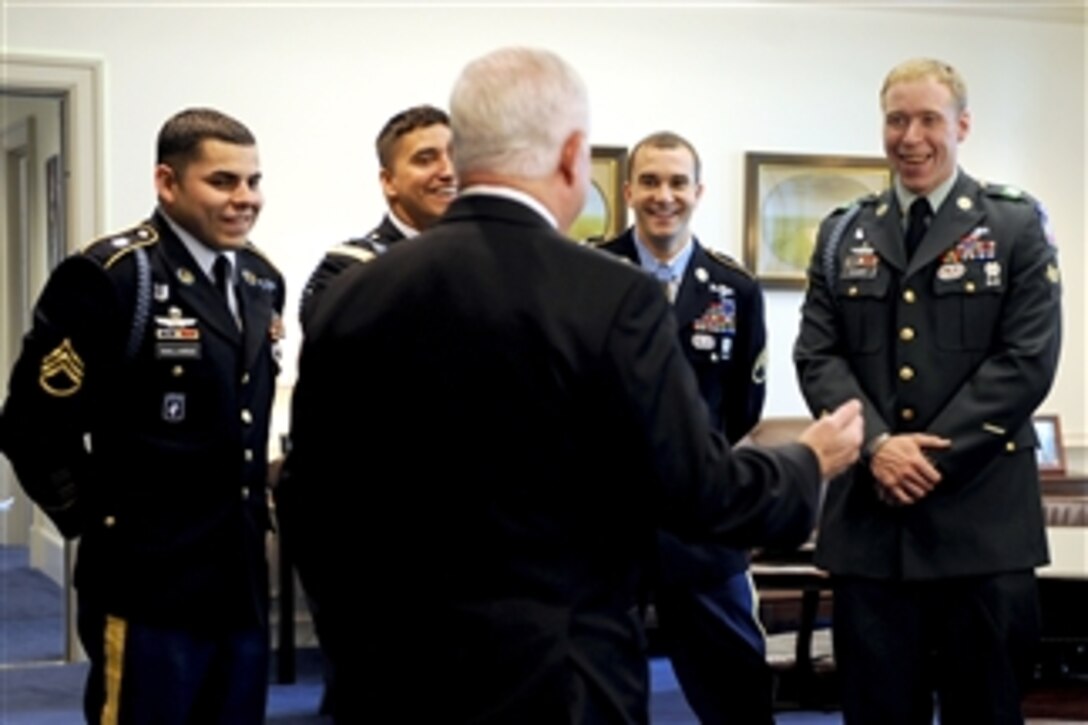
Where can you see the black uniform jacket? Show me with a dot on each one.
(961, 341)
(157, 458)
(342, 256)
(719, 315)
(521, 423)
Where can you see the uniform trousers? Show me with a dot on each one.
(716, 645)
(145, 674)
(966, 643)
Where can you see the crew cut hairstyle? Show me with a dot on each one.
(665, 140)
(921, 68)
(403, 123)
(180, 137)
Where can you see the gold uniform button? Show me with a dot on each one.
(177, 371)
(853, 292)
(245, 492)
(247, 417)
(906, 334)
(1010, 446)
(969, 286)
(245, 378)
(109, 522)
(249, 455)
(907, 414)
(908, 296)
(906, 373)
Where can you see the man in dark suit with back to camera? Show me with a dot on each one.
(704, 597)
(937, 303)
(138, 420)
(492, 372)
(418, 183)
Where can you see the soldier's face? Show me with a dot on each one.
(922, 132)
(216, 196)
(663, 193)
(420, 182)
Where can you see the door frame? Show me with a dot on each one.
(79, 81)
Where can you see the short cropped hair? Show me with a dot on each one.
(665, 140)
(511, 111)
(405, 122)
(920, 68)
(180, 137)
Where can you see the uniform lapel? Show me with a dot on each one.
(958, 215)
(194, 287)
(694, 295)
(888, 239)
(256, 312)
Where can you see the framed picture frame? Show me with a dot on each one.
(786, 196)
(1050, 455)
(605, 213)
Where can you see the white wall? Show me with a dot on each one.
(316, 83)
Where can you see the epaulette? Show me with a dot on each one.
(355, 249)
(109, 249)
(729, 262)
(1003, 191)
(866, 200)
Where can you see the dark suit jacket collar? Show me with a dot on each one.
(495, 208)
(694, 294)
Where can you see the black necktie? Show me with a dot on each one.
(221, 270)
(920, 215)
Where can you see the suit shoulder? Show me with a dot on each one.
(110, 249)
(608, 245)
(614, 255)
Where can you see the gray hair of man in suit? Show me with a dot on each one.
(520, 118)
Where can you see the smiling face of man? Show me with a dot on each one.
(419, 182)
(215, 195)
(663, 191)
(923, 128)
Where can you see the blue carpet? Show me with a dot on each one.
(31, 611)
(51, 695)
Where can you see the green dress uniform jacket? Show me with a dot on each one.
(961, 341)
(156, 456)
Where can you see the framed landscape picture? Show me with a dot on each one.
(786, 196)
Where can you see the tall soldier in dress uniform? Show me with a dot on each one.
(704, 597)
(418, 182)
(945, 322)
(139, 413)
